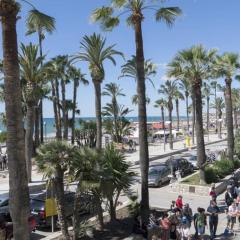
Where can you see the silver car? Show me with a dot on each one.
(192, 158)
(158, 175)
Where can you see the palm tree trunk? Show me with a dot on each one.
(41, 102)
(18, 184)
(163, 118)
(59, 187)
(177, 110)
(36, 129)
(76, 215)
(170, 130)
(64, 111)
(201, 156)
(99, 210)
(186, 96)
(215, 95)
(235, 118)
(220, 125)
(97, 87)
(74, 110)
(112, 210)
(58, 129)
(142, 118)
(229, 118)
(193, 116)
(208, 99)
(29, 139)
(58, 107)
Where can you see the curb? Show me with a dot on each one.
(177, 152)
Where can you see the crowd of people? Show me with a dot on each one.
(177, 222)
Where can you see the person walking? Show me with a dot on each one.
(213, 211)
(187, 212)
(165, 227)
(201, 222)
(232, 215)
(179, 202)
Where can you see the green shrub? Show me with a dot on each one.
(211, 175)
(224, 167)
(237, 143)
(236, 163)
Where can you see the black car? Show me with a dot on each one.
(180, 164)
(38, 209)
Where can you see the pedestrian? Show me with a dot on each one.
(201, 222)
(184, 230)
(175, 221)
(213, 211)
(187, 212)
(212, 193)
(228, 196)
(179, 202)
(165, 225)
(232, 215)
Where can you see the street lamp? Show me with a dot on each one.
(45, 130)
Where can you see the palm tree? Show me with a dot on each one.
(177, 96)
(195, 64)
(207, 93)
(184, 85)
(226, 66)
(40, 23)
(236, 105)
(135, 99)
(214, 85)
(219, 106)
(32, 76)
(53, 160)
(18, 184)
(135, 9)
(94, 51)
(113, 90)
(168, 90)
(77, 77)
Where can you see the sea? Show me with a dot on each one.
(49, 123)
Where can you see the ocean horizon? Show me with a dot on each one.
(50, 123)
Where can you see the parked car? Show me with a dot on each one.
(158, 175)
(192, 159)
(38, 209)
(180, 164)
(5, 214)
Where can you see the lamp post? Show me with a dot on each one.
(45, 130)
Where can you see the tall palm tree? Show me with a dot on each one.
(226, 66)
(18, 184)
(184, 85)
(113, 90)
(32, 77)
(220, 105)
(214, 85)
(195, 64)
(77, 77)
(177, 96)
(236, 105)
(135, 10)
(207, 93)
(161, 103)
(40, 23)
(94, 51)
(168, 90)
(53, 160)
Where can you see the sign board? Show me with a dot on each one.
(51, 207)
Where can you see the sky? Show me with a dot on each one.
(213, 23)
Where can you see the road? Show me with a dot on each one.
(159, 197)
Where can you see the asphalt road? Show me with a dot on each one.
(159, 197)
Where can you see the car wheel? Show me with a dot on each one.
(159, 183)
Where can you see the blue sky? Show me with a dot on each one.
(215, 24)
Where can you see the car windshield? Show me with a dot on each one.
(193, 158)
(153, 172)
